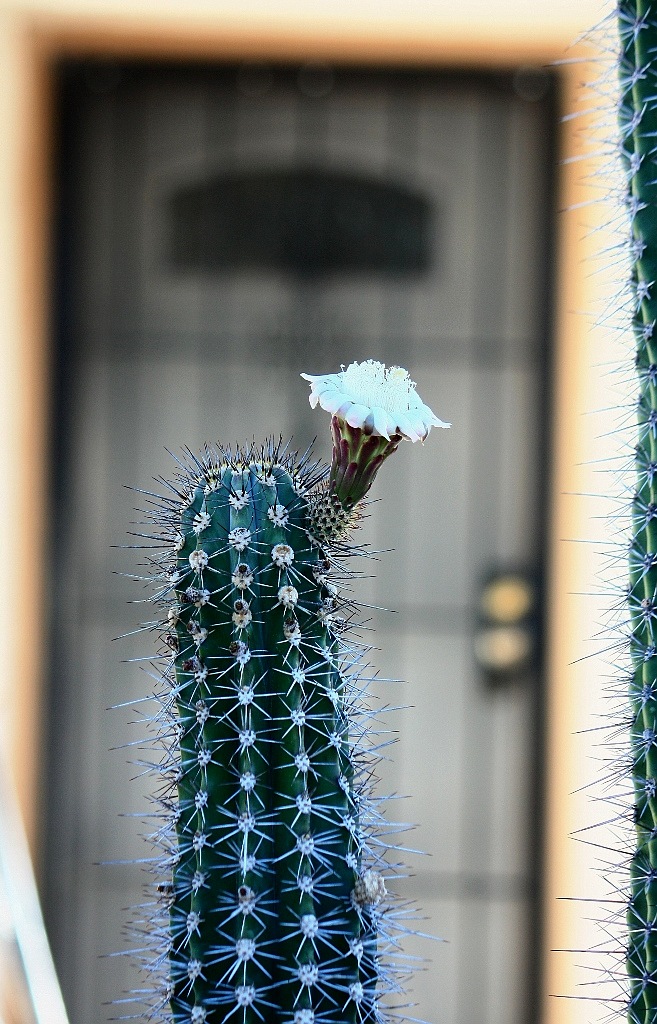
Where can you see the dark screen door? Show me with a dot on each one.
(222, 229)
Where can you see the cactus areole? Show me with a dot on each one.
(271, 888)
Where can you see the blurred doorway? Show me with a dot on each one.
(220, 230)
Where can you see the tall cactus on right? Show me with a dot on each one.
(638, 125)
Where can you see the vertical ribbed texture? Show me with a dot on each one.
(638, 122)
(271, 881)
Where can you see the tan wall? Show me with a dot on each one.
(24, 206)
(31, 31)
(479, 23)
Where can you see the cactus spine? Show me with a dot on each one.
(271, 893)
(638, 123)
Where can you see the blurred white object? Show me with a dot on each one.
(29, 989)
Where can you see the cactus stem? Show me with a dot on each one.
(270, 889)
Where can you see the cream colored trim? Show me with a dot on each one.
(419, 27)
(568, 568)
(236, 39)
(592, 431)
(24, 243)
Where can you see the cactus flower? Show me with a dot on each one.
(372, 409)
(378, 400)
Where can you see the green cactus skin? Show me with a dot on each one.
(638, 123)
(271, 896)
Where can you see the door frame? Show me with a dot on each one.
(31, 43)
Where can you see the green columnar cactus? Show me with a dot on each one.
(638, 122)
(272, 895)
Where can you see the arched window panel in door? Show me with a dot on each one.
(302, 221)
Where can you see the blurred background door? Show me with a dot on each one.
(220, 230)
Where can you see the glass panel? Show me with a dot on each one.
(306, 222)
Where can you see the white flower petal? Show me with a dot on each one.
(357, 415)
(344, 408)
(381, 421)
(326, 386)
(419, 425)
(331, 403)
(405, 427)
